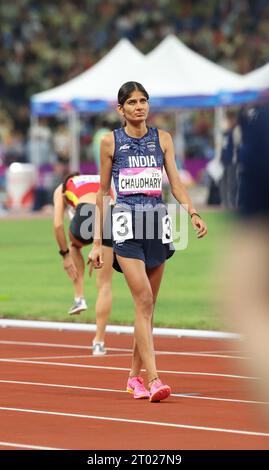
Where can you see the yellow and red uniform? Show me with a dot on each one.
(78, 186)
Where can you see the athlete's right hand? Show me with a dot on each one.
(70, 267)
(95, 258)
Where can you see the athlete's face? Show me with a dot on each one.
(135, 108)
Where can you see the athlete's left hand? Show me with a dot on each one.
(95, 258)
(199, 226)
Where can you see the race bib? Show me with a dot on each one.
(167, 234)
(140, 180)
(122, 226)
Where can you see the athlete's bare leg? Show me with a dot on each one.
(139, 284)
(155, 278)
(80, 265)
(104, 298)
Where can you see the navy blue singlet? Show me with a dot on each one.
(137, 169)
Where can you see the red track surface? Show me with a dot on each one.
(214, 414)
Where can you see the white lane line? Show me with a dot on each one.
(42, 384)
(137, 421)
(158, 353)
(176, 353)
(87, 366)
(27, 446)
(58, 345)
(198, 354)
(222, 351)
(172, 332)
(87, 356)
(98, 389)
(59, 356)
(230, 400)
(47, 345)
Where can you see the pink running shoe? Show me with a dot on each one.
(159, 391)
(136, 386)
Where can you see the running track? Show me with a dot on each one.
(55, 395)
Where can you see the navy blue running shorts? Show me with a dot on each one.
(144, 235)
(82, 225)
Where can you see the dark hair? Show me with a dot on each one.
(75, 173)
(127, 89)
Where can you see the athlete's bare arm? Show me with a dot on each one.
(58, 223)
(177, 187)
(106, 156)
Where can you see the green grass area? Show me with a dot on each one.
(34, 285)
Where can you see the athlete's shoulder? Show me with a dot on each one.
(58, 199)
(164, 134)
(108, 139)
(164, 137)
(58, 192)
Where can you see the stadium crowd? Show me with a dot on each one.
(44, 44)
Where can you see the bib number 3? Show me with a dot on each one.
(122, 226)
(167, 236)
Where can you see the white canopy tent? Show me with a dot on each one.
(185, 77)
(99, 84)
(257, 79)
(175, 76)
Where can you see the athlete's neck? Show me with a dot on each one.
(136, 131)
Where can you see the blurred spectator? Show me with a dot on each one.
(103, 128)
(6, 128)
(62, 144)
(16, 149)
(40, 143)
(229, 159)
(254, 160)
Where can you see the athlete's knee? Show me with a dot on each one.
(144, 301)
(104, 287)
(75, 244)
